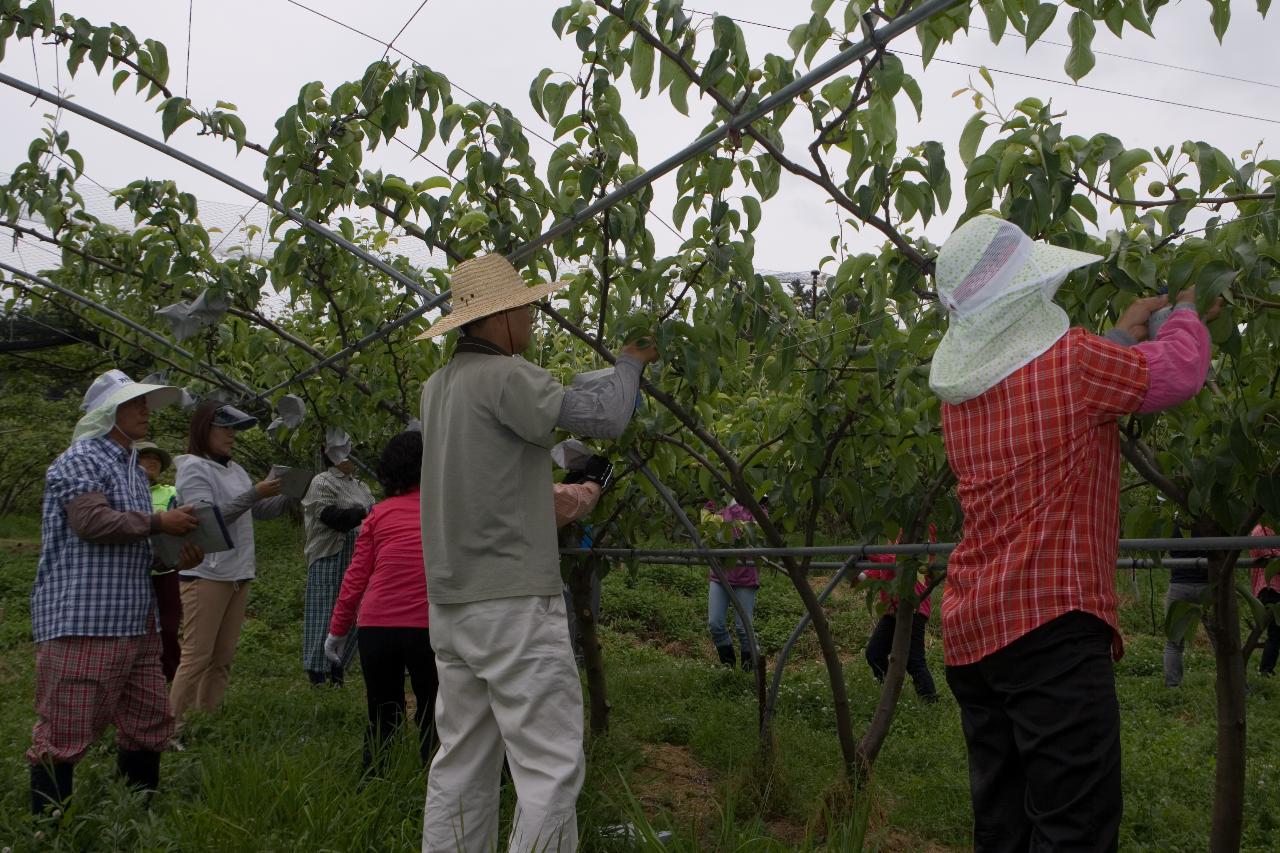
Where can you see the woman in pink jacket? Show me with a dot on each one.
(384, 593)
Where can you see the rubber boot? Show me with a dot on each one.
(748, 662)
(727, 656)
(316, 678)
(140, 768)
(50, 786)
(336, 675)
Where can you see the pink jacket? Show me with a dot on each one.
(743, 574)
(386, 583)
(1177, 361)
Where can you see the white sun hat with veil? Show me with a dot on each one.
(107, 393)
(997, 285)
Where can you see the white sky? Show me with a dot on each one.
(258, 54)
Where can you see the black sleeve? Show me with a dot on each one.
(342, 518)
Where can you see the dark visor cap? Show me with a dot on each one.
(230, 416)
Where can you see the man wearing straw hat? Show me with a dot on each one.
(508, 681)
(93, 613)
(1029, 612)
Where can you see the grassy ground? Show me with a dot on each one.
(277, 768)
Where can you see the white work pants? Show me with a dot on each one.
(507, 680)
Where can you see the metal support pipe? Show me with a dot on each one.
(1203, 543)
(737, 122)
(1121, 563)
(345, 353)
(199, 165)
(226, 381)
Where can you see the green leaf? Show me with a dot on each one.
(175, 113)
(971, 136)
(473, 221)
(1125, 162)
(1137, 17)
(1257, 610)
(1180, 620)
(118, 80)
(752, 207)
(1219, 17)
(1038, 21)
(1267, 494)
(642, 54)
(996, 19)
(1080, 59)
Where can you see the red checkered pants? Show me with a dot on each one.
(84, 684)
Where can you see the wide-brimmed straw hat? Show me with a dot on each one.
(997, 285)
(483, 286)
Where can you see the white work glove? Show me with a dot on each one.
(334, 648)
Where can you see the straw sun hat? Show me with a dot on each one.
(997, 285)
(483, 286)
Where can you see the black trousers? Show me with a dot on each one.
(1271, 651)
(1042, 724)
(881, 643)
(386, 654)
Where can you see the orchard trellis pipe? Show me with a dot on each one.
(1200, 543)
(876, 39)
(222, 378)
(199, 165)
(1121, 563)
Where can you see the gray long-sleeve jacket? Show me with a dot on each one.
(229, 488)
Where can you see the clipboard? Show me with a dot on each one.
(210, 535)
(294, 482)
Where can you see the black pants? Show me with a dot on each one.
(1042, 724)
(1271, 651)
(881, 643)
(385, 655)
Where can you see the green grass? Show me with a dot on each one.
(277, 768)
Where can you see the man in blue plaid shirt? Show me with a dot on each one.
(93, 612)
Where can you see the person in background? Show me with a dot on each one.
(880, 643)
(1029, 419)
(384, 594)
(335, 504)
(93, 610)
(214, 593)
(744, 580)
(1268, 592)
(508, 683)
(1185, 584)
(164, 496)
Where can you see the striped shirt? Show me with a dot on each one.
(84, 589)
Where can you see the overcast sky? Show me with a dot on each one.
(258, 54)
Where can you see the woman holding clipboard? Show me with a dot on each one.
(215, 592)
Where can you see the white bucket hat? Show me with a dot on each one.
(483, 286)
(107, 393)
(997, 285)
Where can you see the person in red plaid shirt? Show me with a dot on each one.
(1029, 419)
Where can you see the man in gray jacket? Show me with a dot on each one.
(508, 681)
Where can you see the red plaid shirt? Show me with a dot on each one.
(1037, 460)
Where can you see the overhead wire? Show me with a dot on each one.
(1034, 77)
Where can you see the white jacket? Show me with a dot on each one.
(229, 488)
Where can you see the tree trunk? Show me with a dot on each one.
(1228, 793)
(580, 587)
(878, 731)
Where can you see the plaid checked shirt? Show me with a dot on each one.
(84, 589)
(1037, 458)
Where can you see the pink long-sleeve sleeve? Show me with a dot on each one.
(1177, 361)
(574, 500)
(355, 581)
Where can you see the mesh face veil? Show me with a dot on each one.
(994, 274)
